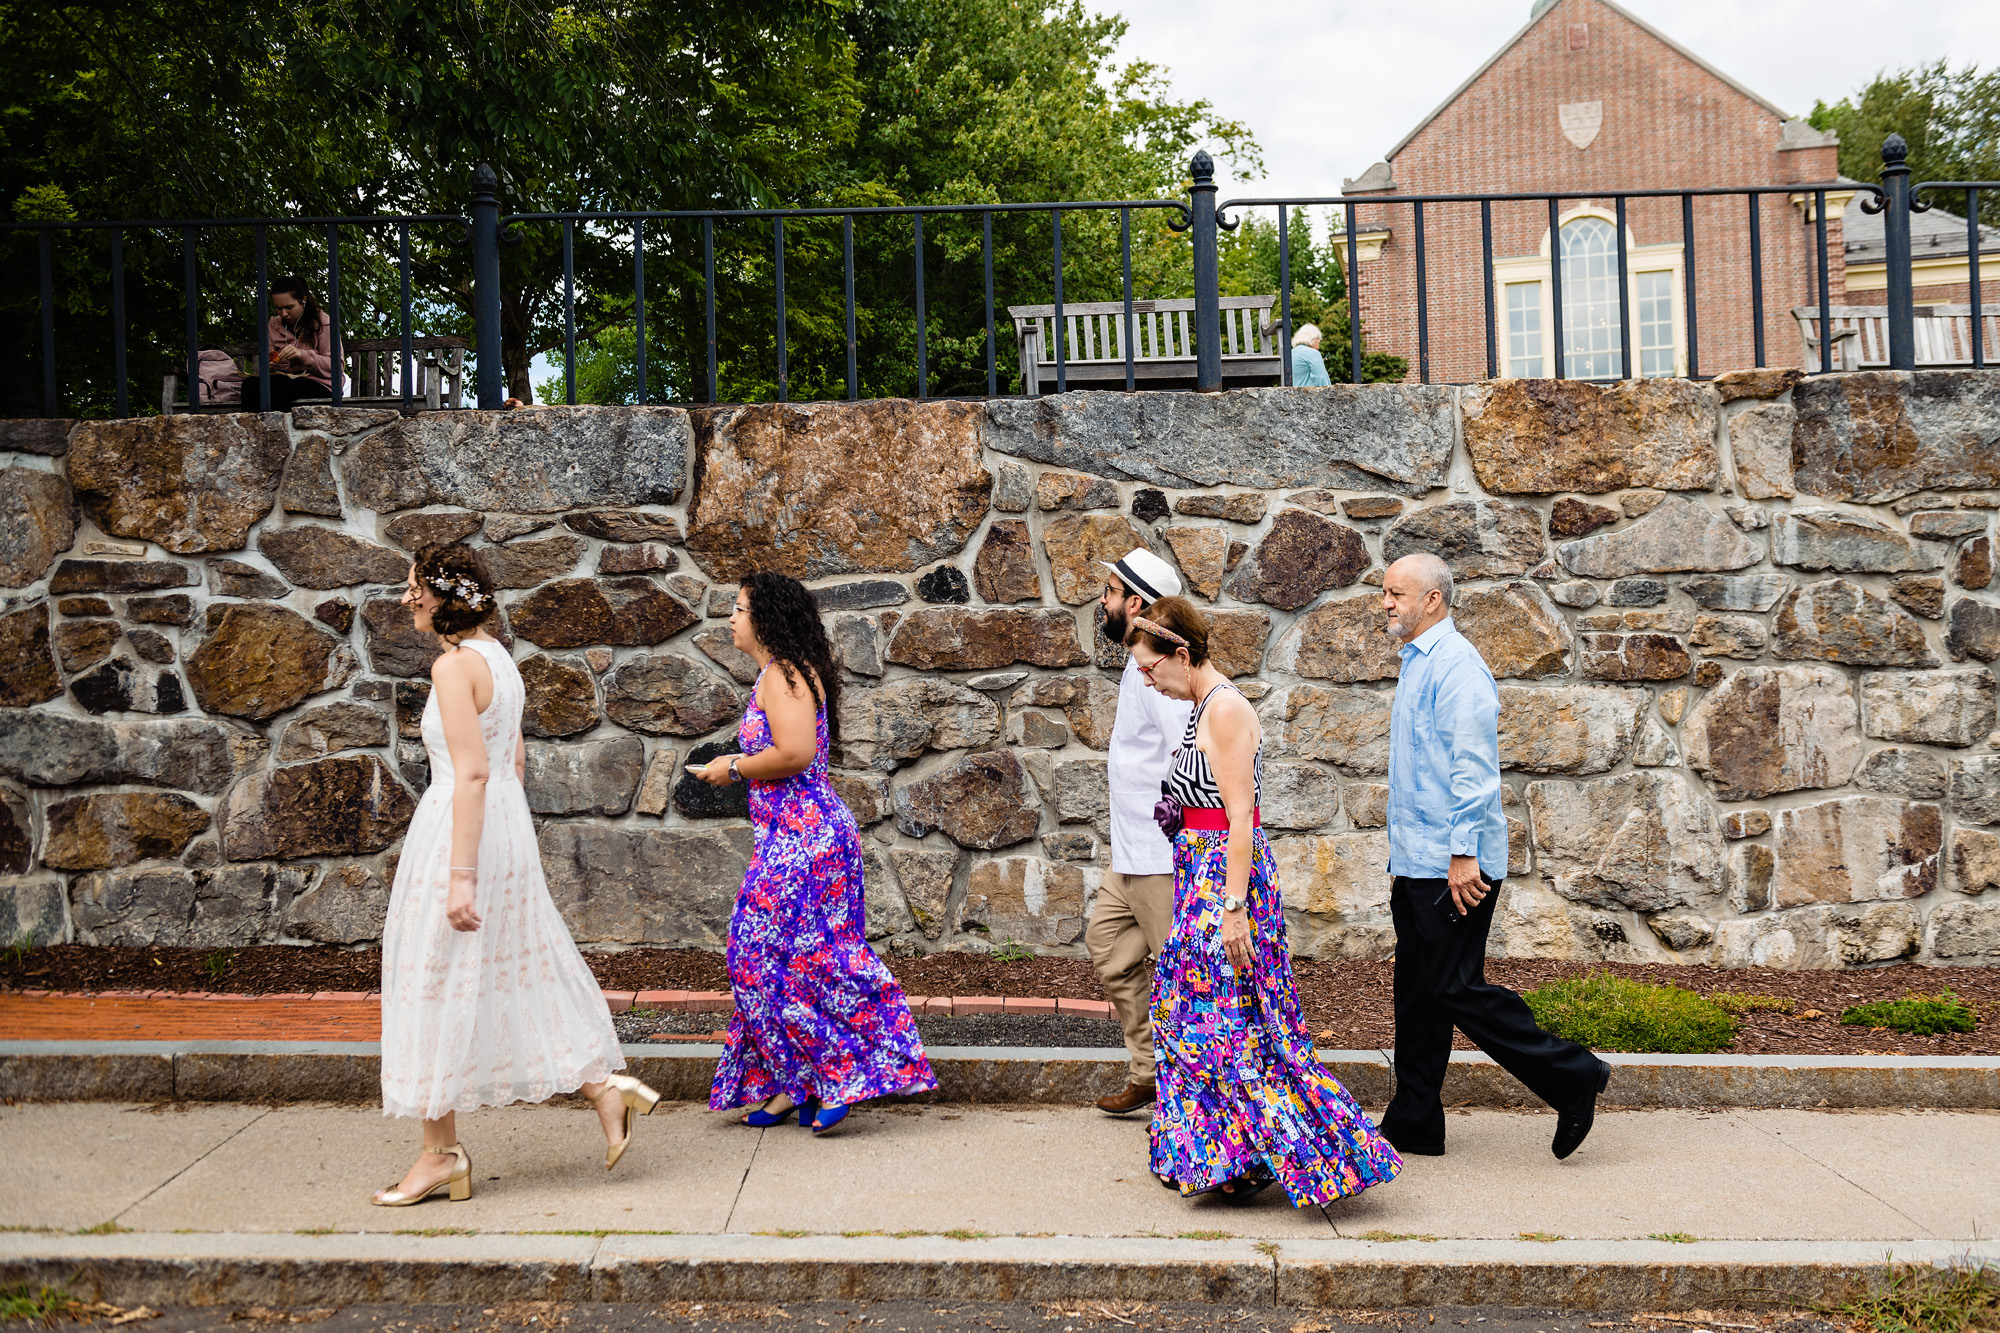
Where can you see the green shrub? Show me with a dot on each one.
(1608, 1013)
(1918, 1298)
(1738, 1003)
(25, 1304)
(1918, 1015)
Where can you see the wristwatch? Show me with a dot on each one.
(1231, 903)
(734, 776)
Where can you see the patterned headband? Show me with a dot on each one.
(1160, 631)
(459, 586)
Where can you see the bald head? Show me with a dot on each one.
(1416, 594)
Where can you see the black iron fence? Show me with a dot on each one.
(460, 277)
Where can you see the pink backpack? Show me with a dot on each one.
(221, 381)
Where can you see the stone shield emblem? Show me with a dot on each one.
(1581, 121)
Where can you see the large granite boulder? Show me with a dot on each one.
(1953, 708)
(106, 829)
(48, 749)
(574, 613)
(413, 532)
(1541, 437)
(961, 639)
(1299, 796)
(169, 907)
(32, 909)
(982, 801)
(835, 488)
(37, 523)
(1643, 840)
(1964, 934)
(307, 485)
(346, 805)
(332, 728)
(1354, 437)
(926, 877)
(529, 564)
(1760, 450)
(542, 462)
(1516, 628)
(668, 694)
(1737, 592)
(887, 910)
(1878, 436)
(189, 483)
(1823, 539)
(1972, 630)
(1026, 900)
(316, 557)
(1080, 545)
(1766, 730)
(1680, 534)
(1005, 570)
(1856, 849)
(1348, 727)
(1634, 657)
(620, 884)
(1089, 703)
(1345, 640)
(1302, 555)
(561, 696)
(1975, 789)
(1577, 729)
(1202, 554)
(1484, 539)
(883, 727)
(1236, 640)
(119, 576)
(396, 647)
(347, 906)
(584, 777)
(1336, 890)
(27, 659)
(1836, 620)
(261, 659)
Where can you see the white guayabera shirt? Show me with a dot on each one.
(1143, 738)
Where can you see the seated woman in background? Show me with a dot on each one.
(301, 350)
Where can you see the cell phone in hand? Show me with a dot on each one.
(1449, 906)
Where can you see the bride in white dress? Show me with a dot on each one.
(485, 999)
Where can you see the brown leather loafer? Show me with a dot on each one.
(1136, 1097)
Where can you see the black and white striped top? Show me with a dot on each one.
(1191, 781)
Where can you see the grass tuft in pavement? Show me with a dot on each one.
(1674, 1237)
(1541, 1237)
(1379, 1234)
(1922, 1298)
(438, 1231)
(103, 1229)
(1917, 1014)
(1610, 1013)
(1205, 1235)
(45, 1305)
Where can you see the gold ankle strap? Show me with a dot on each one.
(444, 1152)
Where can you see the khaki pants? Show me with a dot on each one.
(1127, 929)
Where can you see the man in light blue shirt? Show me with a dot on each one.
(1308, 368)
(1447, 856)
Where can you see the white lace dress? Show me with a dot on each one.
(505, 1013)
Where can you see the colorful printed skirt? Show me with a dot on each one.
(1239, 1085)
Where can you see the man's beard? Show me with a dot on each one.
(1115, 627)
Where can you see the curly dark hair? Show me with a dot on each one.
(786, 621)
(448, 570)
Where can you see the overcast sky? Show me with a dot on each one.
(1330, 88)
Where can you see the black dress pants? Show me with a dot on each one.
(1441, 984)
(286, 390)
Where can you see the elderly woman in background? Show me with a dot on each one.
(1243, 1100)
(1308, 367)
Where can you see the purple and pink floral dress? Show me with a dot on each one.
(818, 1015)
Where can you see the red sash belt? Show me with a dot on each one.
(1210, 818)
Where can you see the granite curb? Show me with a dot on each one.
(293, 1270)
(349, 1072)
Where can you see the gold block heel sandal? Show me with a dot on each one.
(639, 1100)
(459, 1182)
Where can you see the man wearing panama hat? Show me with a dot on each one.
(1135, 901)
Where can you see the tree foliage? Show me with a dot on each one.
(1949, 117)
(1249, 264)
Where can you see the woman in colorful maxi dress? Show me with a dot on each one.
(1243, 1101)
(820, 1023)
(485, 999)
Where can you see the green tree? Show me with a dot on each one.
(1248, 264)
(1950, 119)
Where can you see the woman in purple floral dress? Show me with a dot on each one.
(820, 1023)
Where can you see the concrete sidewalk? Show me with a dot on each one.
(1003, 1171)
(221, 1203)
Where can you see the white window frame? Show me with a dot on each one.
(1666, 258)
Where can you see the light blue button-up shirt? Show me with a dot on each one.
(1444, 759)
(1308, 368)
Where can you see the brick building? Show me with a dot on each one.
(1587, 99)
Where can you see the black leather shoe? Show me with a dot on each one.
(1573, 1124)
(1413, 1149)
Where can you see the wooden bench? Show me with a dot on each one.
(1861, 335)
(437, 380)
(1162, 344)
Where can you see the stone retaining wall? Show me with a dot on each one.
(1742, 632)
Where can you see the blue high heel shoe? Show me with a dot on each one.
(825, 1118)
(762, 1119)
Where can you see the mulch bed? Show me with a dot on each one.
(1347, 1003)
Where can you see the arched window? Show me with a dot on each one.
(1590, 299)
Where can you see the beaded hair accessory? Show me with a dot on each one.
(1158, 630)
(459, 586)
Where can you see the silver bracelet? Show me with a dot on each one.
(473, 869)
